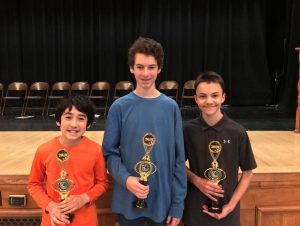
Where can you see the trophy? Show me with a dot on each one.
(215, 174)
(63, 185)
(145, 167)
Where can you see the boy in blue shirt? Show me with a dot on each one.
(144, 111)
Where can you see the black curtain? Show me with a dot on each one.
(288, 89)
(64, 40)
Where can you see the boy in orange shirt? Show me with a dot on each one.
(68, 172)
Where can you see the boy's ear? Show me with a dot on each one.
(58, 124)
(224, 97)
(131, 70)
(195, 98)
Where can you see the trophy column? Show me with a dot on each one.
(215, 174)
(63, 185)
(145, 167)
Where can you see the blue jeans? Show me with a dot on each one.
(139, 222)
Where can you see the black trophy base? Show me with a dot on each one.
(214, 207)
(140, 204)
(71, 217)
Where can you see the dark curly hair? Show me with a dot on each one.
(146, 46)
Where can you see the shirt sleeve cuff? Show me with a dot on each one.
(176, 211)
(124, 179)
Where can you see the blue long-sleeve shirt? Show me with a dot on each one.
(129, 119)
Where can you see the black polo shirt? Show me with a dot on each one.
(236, 152)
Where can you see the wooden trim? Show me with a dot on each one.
(14, 179)
(297, 124)
(20, 212)
(278, 209)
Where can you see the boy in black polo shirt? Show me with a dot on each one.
(212, 131)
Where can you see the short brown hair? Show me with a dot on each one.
(210, 77)
(146, 46)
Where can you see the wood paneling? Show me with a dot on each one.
(272, 199)
(297, 124)
(267, 193)
(278, 215)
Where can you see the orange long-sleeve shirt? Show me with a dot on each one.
(86, 167)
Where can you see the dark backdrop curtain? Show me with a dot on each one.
(64, 40)
(288, 88)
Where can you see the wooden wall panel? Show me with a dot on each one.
(247, 217)
(278, 215)
(272, 199)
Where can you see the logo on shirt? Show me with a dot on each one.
(226, 141)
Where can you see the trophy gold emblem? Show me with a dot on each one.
(145, 167)
(215, 174)
(63, 185)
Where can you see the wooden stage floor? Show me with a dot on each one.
(275, 151)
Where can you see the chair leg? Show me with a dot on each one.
(44, 107)
(22, 110)
(104, 114)
(3, 106)
(24, 107)
(48, 107)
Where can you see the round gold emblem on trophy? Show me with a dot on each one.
(62, 155)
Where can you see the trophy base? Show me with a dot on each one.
(139, 206)
(214, 206)
(214, 209)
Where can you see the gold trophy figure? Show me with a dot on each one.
(145, 167)
(215, 174)
(63, 185)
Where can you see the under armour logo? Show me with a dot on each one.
(226, 141)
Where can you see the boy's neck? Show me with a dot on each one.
(212, 120)
(68, 143)
(147, 93)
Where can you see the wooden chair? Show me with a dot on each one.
(122, 88)
(100, 95)
(169, 88)
(187, 97)
(16, 91)
(58, 91)
(38, 92)
(80, 88)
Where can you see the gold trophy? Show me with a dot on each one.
(63, 185)
(215, 174)
(145, 167)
